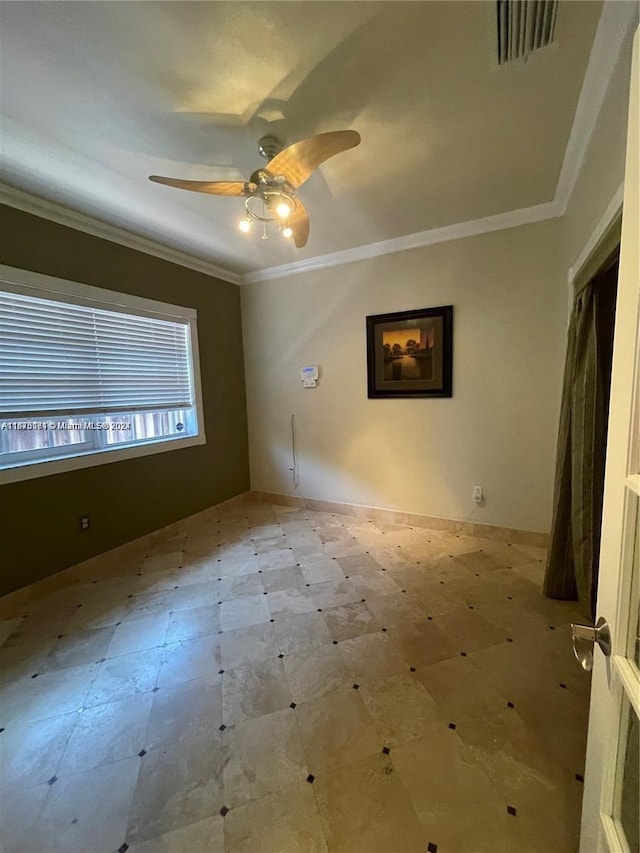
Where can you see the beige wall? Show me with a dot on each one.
(424, 455)
(602, 171)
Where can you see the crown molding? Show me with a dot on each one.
(613, 210)
(56, 212)
(499, 222)
(616, 20)
(97, 228)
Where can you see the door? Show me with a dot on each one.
(610, 816)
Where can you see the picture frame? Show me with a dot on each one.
(410, 353)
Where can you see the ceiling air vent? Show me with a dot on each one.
(524, 26)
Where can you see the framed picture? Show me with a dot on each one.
(410, 354)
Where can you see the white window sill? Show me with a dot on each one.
(32, 470)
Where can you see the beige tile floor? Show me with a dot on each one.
(283, 680)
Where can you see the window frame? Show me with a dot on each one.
(37, 285)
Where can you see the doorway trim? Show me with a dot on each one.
(603, 240)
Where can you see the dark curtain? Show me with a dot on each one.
(572, 564)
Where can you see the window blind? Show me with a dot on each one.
(60, 358)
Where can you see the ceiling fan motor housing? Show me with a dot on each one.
(269, 146)
(260, 177)
(262, 181)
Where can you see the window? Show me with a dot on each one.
(89, 376)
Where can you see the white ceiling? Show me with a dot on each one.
(96, 96)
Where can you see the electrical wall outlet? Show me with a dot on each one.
(478, 494)
(84, 522)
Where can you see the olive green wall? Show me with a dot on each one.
(39, 518)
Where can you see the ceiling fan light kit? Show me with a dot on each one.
(270, 192)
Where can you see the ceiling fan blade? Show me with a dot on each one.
(299, 224)
(230, 188)
(298, 161)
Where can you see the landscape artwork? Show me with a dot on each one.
(410, 354)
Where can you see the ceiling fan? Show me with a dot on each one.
(270, 193)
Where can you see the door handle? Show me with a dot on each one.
(583, 638)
